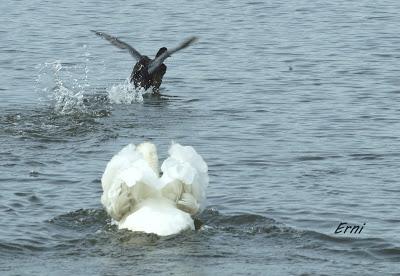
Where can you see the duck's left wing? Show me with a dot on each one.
(160, 59)
(120, 44)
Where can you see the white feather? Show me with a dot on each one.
(186, 165)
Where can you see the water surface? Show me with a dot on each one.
(294, 106)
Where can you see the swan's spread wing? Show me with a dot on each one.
(160, 59)
(118, 163)
(127, 180)
(185, 175)
(120, 44)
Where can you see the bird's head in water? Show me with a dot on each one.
(161, 51)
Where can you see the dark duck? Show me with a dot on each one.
(147, 73)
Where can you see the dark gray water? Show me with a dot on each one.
(294, 106)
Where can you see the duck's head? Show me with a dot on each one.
(161, 51)
(149, 152)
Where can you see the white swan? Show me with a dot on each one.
(138, 199)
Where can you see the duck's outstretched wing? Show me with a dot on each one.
(160, 59)
(127, 180)
(185, 176)
(120, 44)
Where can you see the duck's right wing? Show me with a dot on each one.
(120, 44)
(127, 180)
(160, 59)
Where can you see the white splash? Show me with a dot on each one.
(67, 86)
(65, 99)
(125, 93)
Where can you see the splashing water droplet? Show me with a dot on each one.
(125, 93)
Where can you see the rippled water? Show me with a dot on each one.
(293, 105)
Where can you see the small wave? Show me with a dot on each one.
(245, 224)
(391, 253)
(310, 158)
(48, 125)
(81, 218)
(17, 247)
(366, 156)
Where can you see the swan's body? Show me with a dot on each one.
(138, 199)
(159, 216)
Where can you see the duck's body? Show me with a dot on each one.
(147, 72)
(138, 199)
(142, 79)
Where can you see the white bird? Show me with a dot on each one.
(138, 199)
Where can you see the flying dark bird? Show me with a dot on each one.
(147, 72)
